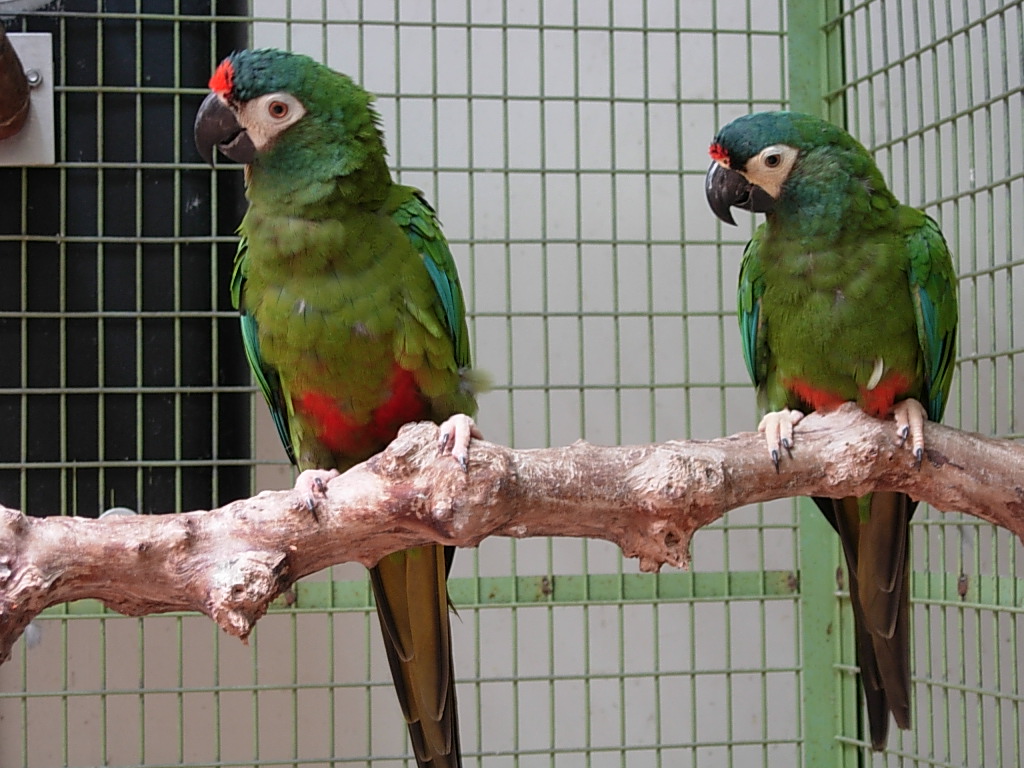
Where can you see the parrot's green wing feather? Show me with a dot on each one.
(933, 285)
(410, 586)
(419, 222)
(266, 377)
(751, 289)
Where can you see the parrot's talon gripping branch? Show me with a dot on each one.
(626, 495)
(777, 428)
(311, 508)
(910, 418)
(312, 485)
(454, 437)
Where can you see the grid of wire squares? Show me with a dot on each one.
(564, 144)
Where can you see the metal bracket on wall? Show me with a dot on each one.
(34, 144)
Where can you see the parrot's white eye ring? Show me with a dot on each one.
(265, 117)
(769, 168)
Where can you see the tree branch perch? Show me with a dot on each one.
(231, 562)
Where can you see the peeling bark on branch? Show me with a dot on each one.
(230, 563)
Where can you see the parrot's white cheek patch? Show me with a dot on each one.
(267, 117)
(770, 168)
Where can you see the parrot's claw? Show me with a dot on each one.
(312, 484)
(910, 417)
(456, 432)
(777, 427)
(903, 433)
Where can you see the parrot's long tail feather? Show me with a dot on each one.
(412, 605)
(876, 546)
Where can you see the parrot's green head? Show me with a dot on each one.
(772, 161)
(289, 115)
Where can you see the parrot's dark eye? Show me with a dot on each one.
(772, 160)
(278, 109)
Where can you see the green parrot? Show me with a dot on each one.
(354, 324)
(845, 295)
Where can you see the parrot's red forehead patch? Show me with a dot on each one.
(718, 153)
(223, 80)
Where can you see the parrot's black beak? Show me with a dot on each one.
(727, 189)
(217, 126)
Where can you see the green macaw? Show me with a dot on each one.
(354, 324)
(845, 295)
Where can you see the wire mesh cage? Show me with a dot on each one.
(564, 145)
(936, 94)
(112, 304)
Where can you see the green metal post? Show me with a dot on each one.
(819, 639)
(814, 63)
(814, 37)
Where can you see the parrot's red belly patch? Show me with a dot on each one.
(877, 402)
(817, 399)
(341, 434)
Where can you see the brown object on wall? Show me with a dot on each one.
(14, 95)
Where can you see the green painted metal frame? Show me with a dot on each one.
(983, 592)
(815, 58)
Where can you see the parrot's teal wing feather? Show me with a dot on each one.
(748, 300)
(933, 285)
(419, 222)
(410, 586)
(266, 377)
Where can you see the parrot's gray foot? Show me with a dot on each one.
(910, 417)
(456, 432)
(312, 484)
(777, 427)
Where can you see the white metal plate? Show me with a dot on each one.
(34, 143)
